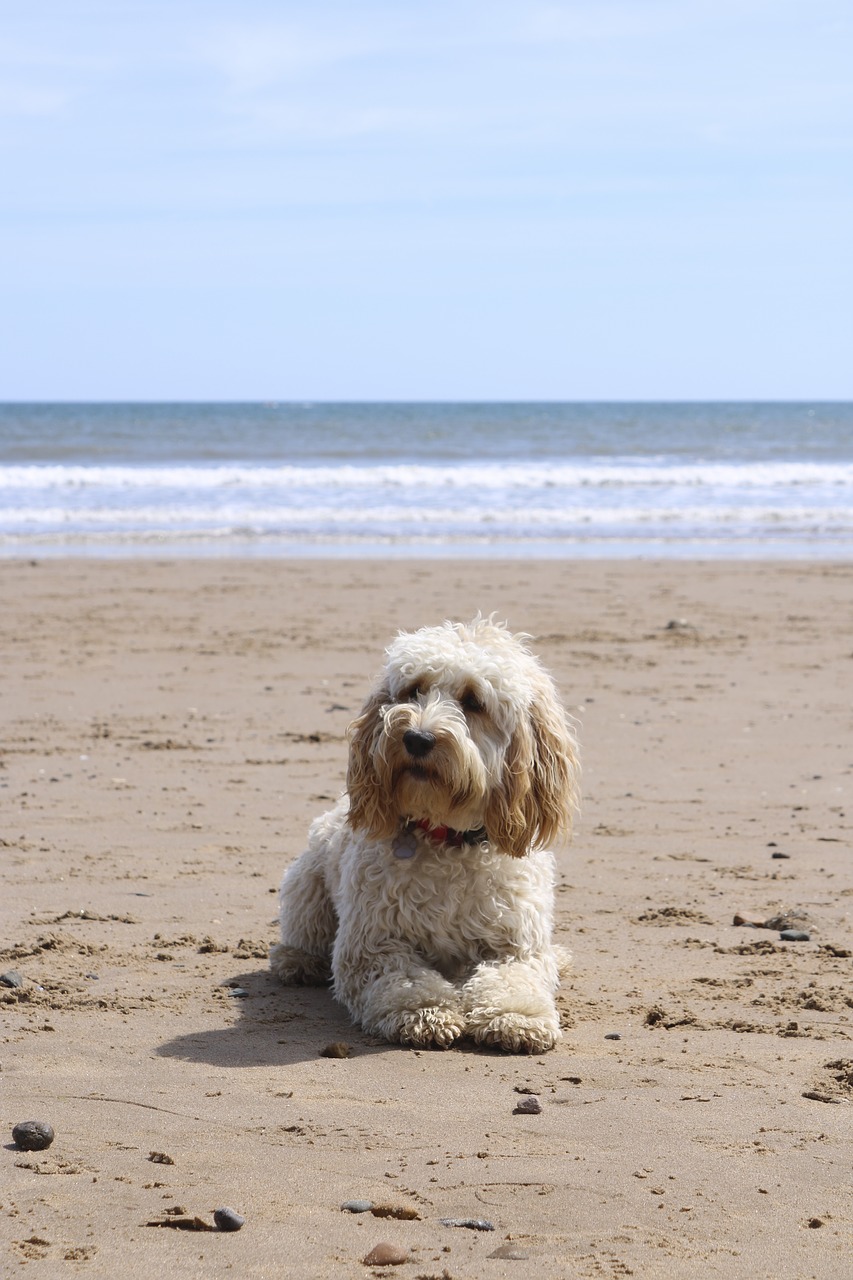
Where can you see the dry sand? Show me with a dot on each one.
(169, 731)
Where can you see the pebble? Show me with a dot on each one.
(11, 978)
(357, 1206)
(780, 854)
(403, 1212)
(613, 1035)
(473, 1224)
(33, 1135)
(795, 935)
(529, 1106)
(337, 1049)
(510, 1252)
(386, 1255)
(228, 1219)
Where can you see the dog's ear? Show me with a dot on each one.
(556, 768)
(537, 795)
(509, 809)
(369, 809)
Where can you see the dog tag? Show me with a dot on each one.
(405, 845)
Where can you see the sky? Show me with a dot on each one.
(362, 200)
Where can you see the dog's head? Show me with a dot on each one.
(465, 730)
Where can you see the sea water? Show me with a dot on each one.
(693, 479)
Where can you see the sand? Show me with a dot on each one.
(170, 729)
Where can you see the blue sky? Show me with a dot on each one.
(612, 199)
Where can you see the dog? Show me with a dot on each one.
(426, 894)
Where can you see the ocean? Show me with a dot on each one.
(709, 480)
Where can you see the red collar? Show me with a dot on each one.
(448, 835)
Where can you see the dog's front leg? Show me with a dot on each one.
(393, 993)
(509, 1003)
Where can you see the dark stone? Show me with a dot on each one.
(795, 935)
(613, 1035)
(11, 978)
(528, 1107)
(228, 1219)
(33, 1135)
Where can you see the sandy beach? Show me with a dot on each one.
(169, 731)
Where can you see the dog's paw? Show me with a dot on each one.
(429, 1027)
(516, 1033)
(298, 968)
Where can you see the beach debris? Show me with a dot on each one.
(159, 1157)
(815, 1222)
(795, 935)
(510, 1253)
(402, 1212)
(526, 1089)
(11, 978)
(357, 1206)
(193, 1223)
(529, 1106)
(777, 853)
(835, 1084)
(793, 919)
(228, 1219)
(384, 1254)
(337, 1049)
(679, 624)
(473, 1224)
(613, 1035)
(32, 1135)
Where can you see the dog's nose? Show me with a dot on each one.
(418, 742)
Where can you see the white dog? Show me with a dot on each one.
(426, 895)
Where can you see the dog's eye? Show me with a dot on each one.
(411, 695)
(470, 702)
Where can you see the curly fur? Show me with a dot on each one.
(428, 936)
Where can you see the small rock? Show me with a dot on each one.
(403, 1212)
(33, 1135)
(228, 1219)
(510, 1252)
(795, 935)
(337, 1049)
(748, 918)
(386, 1255)
(529, 1106)
(159, 1157)
(613, 1035)
(11, 978)
(526, 1089)
(473, 1224)
(357, 1206)
(679, 624)
(815, 1222)
(779, 854)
